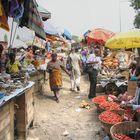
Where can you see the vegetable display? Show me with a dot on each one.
(99, 99)
(110, 106)
(110, 117)
(122, 137)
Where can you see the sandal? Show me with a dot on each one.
(57, 100)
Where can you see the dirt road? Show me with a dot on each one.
(53, 119)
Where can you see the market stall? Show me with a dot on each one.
(17, 112)
(17, 91)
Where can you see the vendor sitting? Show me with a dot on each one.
(135, 102)
(13, 65)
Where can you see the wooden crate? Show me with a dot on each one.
(132, 88)
(7, 121)
(25, 113)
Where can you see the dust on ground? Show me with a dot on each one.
(53, 119)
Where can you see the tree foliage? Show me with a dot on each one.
(136, 5)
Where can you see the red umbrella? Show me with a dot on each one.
(99, 36)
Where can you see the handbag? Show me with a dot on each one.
(88, 68)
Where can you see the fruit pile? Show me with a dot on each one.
(122, 137)
(99, 99)
(110, 117)
(110, 106)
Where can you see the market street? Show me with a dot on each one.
(53, 119)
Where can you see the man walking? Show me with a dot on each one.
(75, 72)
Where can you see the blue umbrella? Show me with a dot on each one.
(86, 33)
(67, 34)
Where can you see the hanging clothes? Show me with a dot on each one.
(32, 19)
(3, 18)
(16, 9)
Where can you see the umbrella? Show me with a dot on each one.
(129, 39)
(99, 35)
(67, 34)
(86, 33)
(51, 29)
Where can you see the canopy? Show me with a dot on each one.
(44, 12)
(99, 35)
(67, 34)
(129, 39)
(51, 29)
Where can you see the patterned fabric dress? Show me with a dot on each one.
(55, 76)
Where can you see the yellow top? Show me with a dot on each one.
(13, 68)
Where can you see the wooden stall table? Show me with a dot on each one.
(7, 120)
(23, 99)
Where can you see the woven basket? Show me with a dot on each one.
(107, 126)
(123, 128)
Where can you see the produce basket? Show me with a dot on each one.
(123, 128)
(106, 125)
(94, 100)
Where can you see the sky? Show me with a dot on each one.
(78, 16)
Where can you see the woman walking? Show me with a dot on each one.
(55, 75)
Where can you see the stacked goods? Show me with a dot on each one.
(111, 62)
(110, 117)
(122, 137)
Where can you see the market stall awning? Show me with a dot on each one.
(52, 29)
(99, 35)
(67, 34)
(32, 19)
(129, 39)
(45, 14)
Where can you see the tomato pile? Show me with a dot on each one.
(99, 99)
(110, 106)
(122, 137)
(110, 117)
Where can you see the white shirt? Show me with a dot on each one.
(93, 58)
(75, 58)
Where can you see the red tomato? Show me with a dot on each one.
(110, 117)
